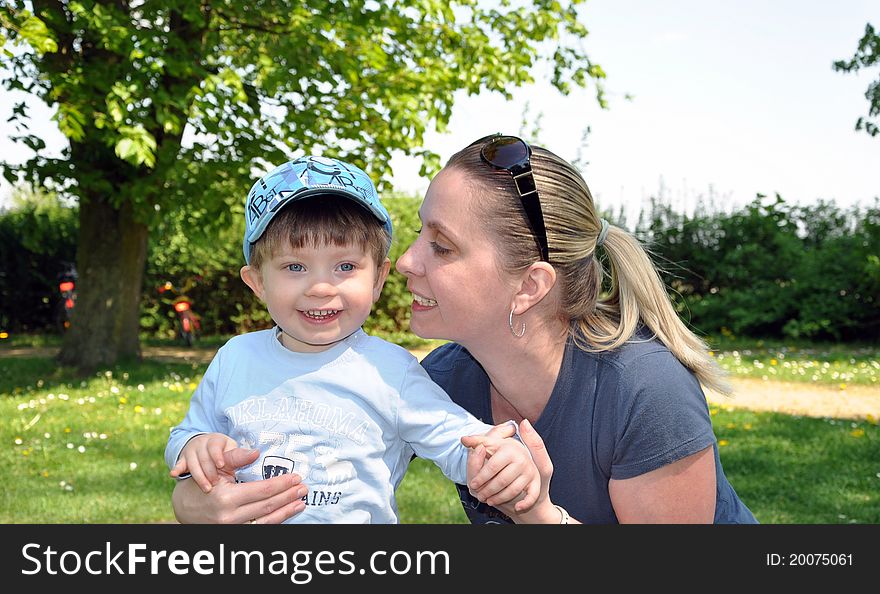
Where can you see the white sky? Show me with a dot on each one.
(730, 99)
(736, 96)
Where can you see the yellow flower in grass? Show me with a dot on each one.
(872, 419)
(857, 432)
(774, 362)
(722, 442)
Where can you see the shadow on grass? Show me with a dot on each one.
(27, 374)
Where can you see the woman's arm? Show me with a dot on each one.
(682, 492)
(679, 493)
(268, 502)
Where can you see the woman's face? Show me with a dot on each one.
(458, 291)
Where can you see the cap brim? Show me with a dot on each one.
(258, 231)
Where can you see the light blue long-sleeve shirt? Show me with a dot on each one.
(347, 420)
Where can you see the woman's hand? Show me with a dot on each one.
(268, 501)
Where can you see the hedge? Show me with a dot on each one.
(769, 270)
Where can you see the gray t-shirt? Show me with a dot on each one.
(614, 414)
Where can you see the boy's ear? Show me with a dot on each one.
(252, 278)
(381, 275)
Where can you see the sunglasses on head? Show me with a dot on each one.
(512, 154)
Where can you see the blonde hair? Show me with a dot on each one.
(597, 322)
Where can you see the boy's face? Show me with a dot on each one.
(317, 296)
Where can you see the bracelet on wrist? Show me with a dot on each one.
(565, 519)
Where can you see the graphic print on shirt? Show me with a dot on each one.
(276, 466)
(295, 435)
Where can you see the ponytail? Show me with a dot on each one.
(597, 322)
(638, 294)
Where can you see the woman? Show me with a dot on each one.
(506, 266)
(610, 381)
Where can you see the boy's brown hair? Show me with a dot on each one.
(318, 221)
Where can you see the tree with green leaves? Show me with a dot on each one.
(172, 107)
(866, 56)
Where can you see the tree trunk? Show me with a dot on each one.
(111, 256)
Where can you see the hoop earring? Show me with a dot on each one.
(510, 323)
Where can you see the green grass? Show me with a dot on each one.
(215, 341)
(91, 450)
(30, 340)
(54, 340)
(791, 361)
(800, 361)
(800, 470)
(426, 497)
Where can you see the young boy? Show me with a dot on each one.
(316, 395)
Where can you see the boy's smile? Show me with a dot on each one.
(317, 296)
(320, 316)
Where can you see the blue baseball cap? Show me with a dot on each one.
(303, 177)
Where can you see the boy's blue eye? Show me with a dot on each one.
(295, 267)
(346, 267)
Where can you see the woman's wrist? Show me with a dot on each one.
(184, 501)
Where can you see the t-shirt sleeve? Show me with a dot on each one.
(433, 425)
(439, 363)
(201, 417)
(662, 416)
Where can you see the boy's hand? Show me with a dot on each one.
(501, 469)
(202, 457)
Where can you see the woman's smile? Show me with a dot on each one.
(422, 303)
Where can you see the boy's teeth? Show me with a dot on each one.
(322, 312)
(424, 301)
